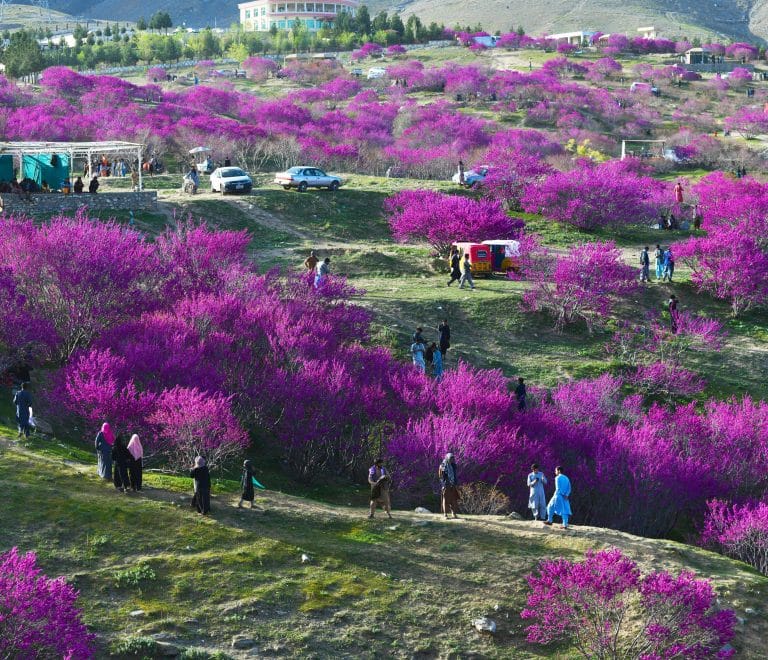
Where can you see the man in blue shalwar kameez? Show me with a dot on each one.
(560, 504)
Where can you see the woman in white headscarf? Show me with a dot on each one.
(202, 482)
(136, 464)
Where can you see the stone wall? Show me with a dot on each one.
(51, 203)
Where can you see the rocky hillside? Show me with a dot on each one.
(737, 19)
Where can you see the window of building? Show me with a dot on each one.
(247, 13)
(263, 11)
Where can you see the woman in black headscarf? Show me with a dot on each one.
(246, 482)
(121, 457)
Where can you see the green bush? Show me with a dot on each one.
(134, 576)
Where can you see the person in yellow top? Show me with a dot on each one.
(310, 263)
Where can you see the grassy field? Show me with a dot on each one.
(150, 569)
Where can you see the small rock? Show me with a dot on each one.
(515, 516)
(421, 523)
(136, 613)
(167, 650)
(393, 528)
(421, 509)
(242, 642)
(484, 624)
(740, 620)
(749, 611)
(305, 559)
(417, 541)
(496, 607)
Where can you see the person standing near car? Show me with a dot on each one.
(466, 274)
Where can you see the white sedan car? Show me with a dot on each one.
(472, 177)
(230, 180)
(304, 177)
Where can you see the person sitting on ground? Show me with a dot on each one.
(380, 482)
(78, 186)
(93, 186)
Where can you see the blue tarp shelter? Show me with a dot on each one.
(52, 169)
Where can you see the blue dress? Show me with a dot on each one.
(560, 503)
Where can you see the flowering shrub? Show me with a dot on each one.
(739, 531)
(259, 69)
(38, 617)
(582, 285)
(591, 196)
(667, 380)
(443, 219)
(590, 604)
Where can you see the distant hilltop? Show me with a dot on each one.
(745, 20)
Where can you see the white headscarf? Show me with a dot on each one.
(134, 446)
(199, 461)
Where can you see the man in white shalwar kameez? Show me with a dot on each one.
(537, 501)
(560, 504)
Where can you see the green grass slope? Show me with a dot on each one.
(404, 588)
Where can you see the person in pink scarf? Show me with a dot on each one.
(136, 464)
(104, 441)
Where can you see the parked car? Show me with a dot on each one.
(357, 71)
(472, 177)
(230, 180)
(376, 72)
(303, 177)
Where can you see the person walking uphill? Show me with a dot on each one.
(136, 464)
(23, 401)
(121, 457)
(201, 500)
(246, 483)
(104, 441)
(449, 485)
(380, 483)
(560, 504)
(537, 501)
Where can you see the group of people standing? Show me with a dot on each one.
(321, 269)
(664, 261)
(559, 504)
(128, 459)
(461, 271)
(432, 354)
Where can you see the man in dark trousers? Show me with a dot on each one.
(672, 306)
(455, 262)
(445, 336)
(520, 394)
(645, 265)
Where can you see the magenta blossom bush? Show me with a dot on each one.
(590, 604)
(441, 219)
(738, 531)
(582, 285)
(591, 196)
(38, 615)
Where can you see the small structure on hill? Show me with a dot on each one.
(577, 38)
(703, 60)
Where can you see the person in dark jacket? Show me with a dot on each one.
(136, 465)
(22, 400)
(93, 186)
(121, 457)
(105, 438)
(202, 482)
(79, 185)
(246, 483)
(445, 336)
(455, 262)
(449, 485)
(521, 394)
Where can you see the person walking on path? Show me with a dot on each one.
(246, 484)
(560, 504)
(466, 274)
(417, 353)
(444, 331)
(310, 263)
(322, 271)
(659, 257)
(437, 364)
(673, 313)
(121, 457)
(455, 262)
(645, 265)
(202, 484)
(521, 394)
(668, 265)
(537, 501)
(449, 485)
(104, 441)
(380, 483)
(136, 464)
(23, 402)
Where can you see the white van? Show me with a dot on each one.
(376, 72)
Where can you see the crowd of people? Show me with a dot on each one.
(119, 461)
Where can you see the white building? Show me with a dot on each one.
(574, 38)
(261, 15)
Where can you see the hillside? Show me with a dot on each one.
(737, 19)
(149, 569)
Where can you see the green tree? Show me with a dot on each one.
(363, 20)
(141, 24)
(381, 22)
(396, 24)
(23, 55)
(161, 20)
